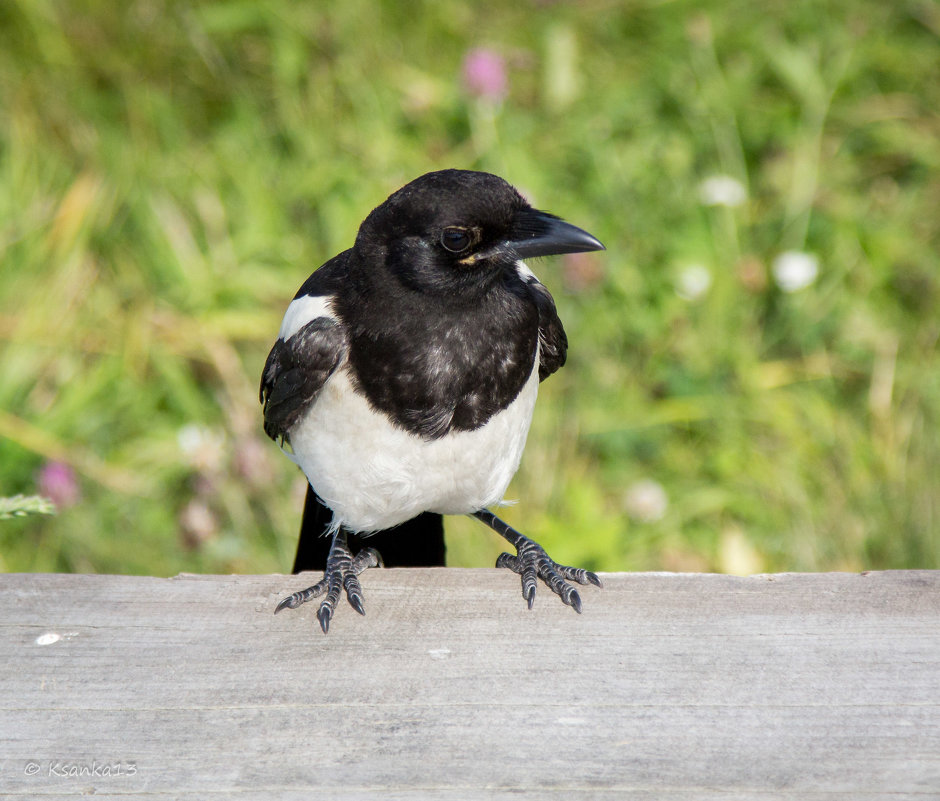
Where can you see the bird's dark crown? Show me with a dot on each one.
(424, 233)
(448, 198)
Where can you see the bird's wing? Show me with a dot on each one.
(311, 346)
(553, 343)
(296, 370)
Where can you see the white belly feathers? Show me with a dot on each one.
(375, 475)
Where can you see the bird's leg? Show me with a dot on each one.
(342, 571)
(531, 563)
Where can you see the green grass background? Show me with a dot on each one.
(170, 172)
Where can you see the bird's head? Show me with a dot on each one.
(455, 230)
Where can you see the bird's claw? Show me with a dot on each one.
(325, 615)
(533, 563)
(342, 572)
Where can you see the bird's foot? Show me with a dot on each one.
(532, 563)
(342, 572)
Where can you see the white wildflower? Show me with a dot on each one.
(722, 190)
(794, 270)
(646, 501)
(203, 447)
(693, 281)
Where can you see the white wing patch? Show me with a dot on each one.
(301, 311)
(523, 271)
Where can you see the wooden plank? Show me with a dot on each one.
(668, 687)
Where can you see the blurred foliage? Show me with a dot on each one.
(170, 172)
(23, 505)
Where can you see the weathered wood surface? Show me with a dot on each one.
(668, 687)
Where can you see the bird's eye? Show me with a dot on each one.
(455, 239)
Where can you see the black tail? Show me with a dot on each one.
(418, 542)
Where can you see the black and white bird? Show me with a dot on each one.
(405, 372)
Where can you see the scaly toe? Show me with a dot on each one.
(298, 598)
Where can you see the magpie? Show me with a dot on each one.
(405, 372)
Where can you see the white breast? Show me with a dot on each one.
(375, 475)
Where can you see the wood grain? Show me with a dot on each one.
(823, 686)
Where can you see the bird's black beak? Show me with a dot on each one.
(538, 233)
